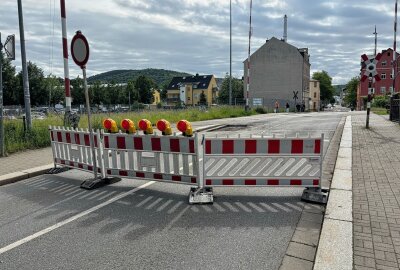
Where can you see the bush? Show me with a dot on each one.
(380, 101)
(260, 110)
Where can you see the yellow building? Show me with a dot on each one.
(314, 95)
(188, 89)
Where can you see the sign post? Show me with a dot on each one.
(295, 93)
(80, 55)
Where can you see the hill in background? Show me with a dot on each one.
(160, 76)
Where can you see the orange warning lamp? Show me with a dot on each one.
(164, 126)
(145, 125)
(128, 125)
(110, 125)
(185, 127)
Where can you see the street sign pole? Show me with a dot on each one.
(2, 146)
(80, 55)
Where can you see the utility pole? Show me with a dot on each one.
(27, 96)
(376, 40)
(230, 52)
(248, 62)
(2, 146)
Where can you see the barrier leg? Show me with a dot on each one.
(200, 194)
(101, 180)
(315, 194)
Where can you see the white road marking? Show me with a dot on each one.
(73, 218)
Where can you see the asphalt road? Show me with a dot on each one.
(48, 222)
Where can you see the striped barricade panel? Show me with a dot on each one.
(263, 162)
(71, 148)
(160, 158)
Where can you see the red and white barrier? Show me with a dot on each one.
(262, 162)
(151, 156)
(71, 148)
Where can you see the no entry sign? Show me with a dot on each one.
(80, 49)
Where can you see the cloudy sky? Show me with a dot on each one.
(193, 35)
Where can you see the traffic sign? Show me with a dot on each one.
(80, 49)
(295, 95)
(370, 67)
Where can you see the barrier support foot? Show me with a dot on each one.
(201, 195)
(316, 195)
(57, 170)
(99, 182)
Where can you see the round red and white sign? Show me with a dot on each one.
(80, 49)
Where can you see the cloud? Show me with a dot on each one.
(193, 35)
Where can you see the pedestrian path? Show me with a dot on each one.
(376, 193)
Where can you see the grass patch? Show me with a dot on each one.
(379, 111)
(18, 140)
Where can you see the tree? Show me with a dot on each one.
(10, 83)
(203, 98)
(77, 91)
(325, 86)
(237, 90)
(145, 87)
(351, 92)
(37, 87)
(55, 89)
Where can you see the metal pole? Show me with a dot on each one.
(230, 52)
(2, 146)
(394, 57)
(376, 40)
(27, 96)
(248, 62)
(90, 123)
(65, 54)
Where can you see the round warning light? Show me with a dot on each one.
(126, 124)
(161, 125)
(143, 124)
(182, 125)
(107, 124)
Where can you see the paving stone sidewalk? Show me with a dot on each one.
(376, 193)
(25, 160)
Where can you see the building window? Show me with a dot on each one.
(384, 63)
(388, 53)
(391, 75)
(383, 76)
(391, 89)
(383, 90)
(315, 84)
(315, 94)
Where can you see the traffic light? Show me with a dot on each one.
(128, 125)
(110, 125)
(185, 127)
(145, 126)
(164, 126)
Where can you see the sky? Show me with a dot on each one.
(193, 35)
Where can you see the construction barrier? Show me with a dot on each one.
(255, 161)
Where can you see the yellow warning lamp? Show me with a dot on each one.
(145, 125)
(110, 125)
(164, 126)
(185, 127)
(128, 125)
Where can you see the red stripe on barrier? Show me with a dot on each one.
(193, 180)
(295, 182)
(68, 137)
(123, 173)
(80, 165)
(158, 176)
(227, 147)
(62, 161)
(176, 178)
(67, 87)
(52, 136)
(71, 163)
(106, 142)
(208, 182)
(121, 143)
(191, 146)
(227, 182)
(87, 139)
(208, 147)
(140, 174)
(315, 182)
(77, 138)
(108, 171)
(273, 182)
(250, 146)
(65, 48)
(317, 146)
(59, 136)
(274, 146)
(174, 145)
(138, 143)
(250, 182)
(156, 144)
(297, 146)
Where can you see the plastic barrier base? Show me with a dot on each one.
(99, 182)
(201, 195)
(57, 170)
(316, 195)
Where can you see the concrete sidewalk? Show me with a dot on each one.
(376, 193)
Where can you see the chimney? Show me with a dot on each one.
(285, 28)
